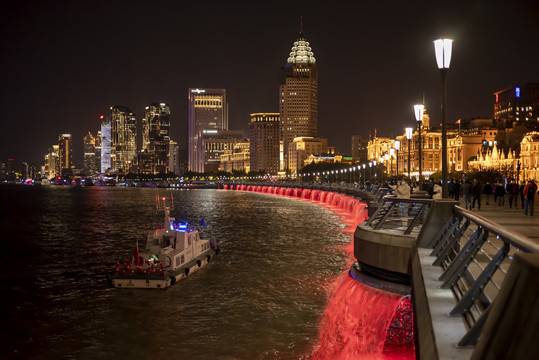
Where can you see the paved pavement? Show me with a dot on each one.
(513, 219)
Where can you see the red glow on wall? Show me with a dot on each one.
(361, 322)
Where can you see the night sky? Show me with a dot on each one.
(65, 63)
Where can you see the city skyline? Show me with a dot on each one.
(59, 76)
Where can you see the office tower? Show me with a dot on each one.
(300, 150)
(65, 153)
(106, 145)
(517, 105)
(123, 131)
(173, 157)
(215, 143)
(264, 142)
(52, 163)
(208, 113)
(90, 156)
(156, 136)
(299, 94)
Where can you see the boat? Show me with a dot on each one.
(172, 253)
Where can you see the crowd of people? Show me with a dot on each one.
(472, 193)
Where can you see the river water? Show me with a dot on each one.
(262, 297)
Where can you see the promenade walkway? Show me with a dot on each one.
(513, 219)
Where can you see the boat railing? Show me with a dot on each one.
(475, 255)
(401, 215)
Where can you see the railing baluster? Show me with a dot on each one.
(448, 242)
(480, 282)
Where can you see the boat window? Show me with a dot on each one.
(189, 241)
(178, 260)
(183, 259)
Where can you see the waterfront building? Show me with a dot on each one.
(264, 142)
(156, 136)
(207, 114)
(517, 105)
(51, 167)
(65, 154)
(464, 146)
(237, 159)
(298, 95)
(300, 149)
(123, 130)
(106, 145)
(529, 156)
(90, 155)
(490, 157)
(215, 143)
(173, 157)
(359, 148)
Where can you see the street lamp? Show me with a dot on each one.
(409, 133)
(442, 48)
(364, 166)
(370, 171)
(391, 154)
(397, 148)
(418, 109)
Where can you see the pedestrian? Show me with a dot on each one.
(512, 190)
(437, 190)
(467, 194)
(476, 191)
(451, 189)
(457, 190)
(500, 195)
(487, 190)
(529, 197)
(521, 191)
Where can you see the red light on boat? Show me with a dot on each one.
(164, 198)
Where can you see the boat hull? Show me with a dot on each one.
(171, 277)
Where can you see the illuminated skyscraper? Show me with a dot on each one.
(208, 114)
(106, 148)
(123, 130)
(155, 135)
(517, 105)
(90, 156)
(299, 94)
(264, 142)
(65, 153)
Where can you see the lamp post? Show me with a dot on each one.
(409, 133)
(370, 171)
(442, 48)
(418, 109)
(391, 154)
(364, 166)
(397, 148)
(374, 164)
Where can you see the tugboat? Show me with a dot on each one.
(172, 253)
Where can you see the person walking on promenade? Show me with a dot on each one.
(500, 195)
(512, 190)
(457, 190)
(487, 190)
(521, 192)
(402, 191)
(529, 197)
(467, 194)
(451, 189)
(476, 191)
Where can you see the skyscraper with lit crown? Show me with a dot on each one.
(298, 98)
(155, 135)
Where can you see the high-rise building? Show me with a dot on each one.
(208, 113)
(517, 105)
(52, 163)
(299, 93)
(123, 129)
(156, 136)
(264, 142)
(65, 153)
(173, 157)
(106, 145)
(90, 155)
(215, 143)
